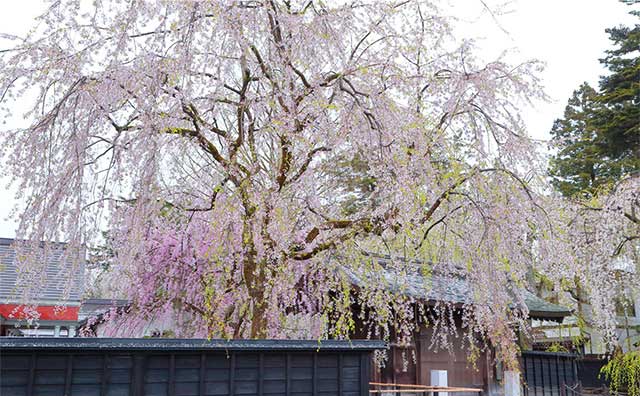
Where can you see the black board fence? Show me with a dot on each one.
(175, 367)
(589, 372)
(548, 373)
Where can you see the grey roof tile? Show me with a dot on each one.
(54, 278)
(454, 289)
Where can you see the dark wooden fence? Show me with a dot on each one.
(589, 372)
(547, 373)
(102, 366)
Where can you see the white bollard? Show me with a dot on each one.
(439, 378)
(512, 383)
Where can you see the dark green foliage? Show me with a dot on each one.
(580, 164)
(598, 140)
(619, 118)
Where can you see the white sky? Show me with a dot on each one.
(568, 35)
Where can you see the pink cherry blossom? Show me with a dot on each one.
(205, 138)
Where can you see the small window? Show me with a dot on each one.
(625, 307)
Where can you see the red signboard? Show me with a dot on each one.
(43, 312)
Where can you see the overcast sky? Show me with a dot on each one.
(568, 35)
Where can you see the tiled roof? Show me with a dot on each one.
(542, 309)
(97, 306)
(447, 288)
(52, 280)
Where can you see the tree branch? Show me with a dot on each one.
(305, 165)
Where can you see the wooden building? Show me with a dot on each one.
(57, 284)
(413, 364)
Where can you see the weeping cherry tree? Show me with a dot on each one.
(220, 146)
